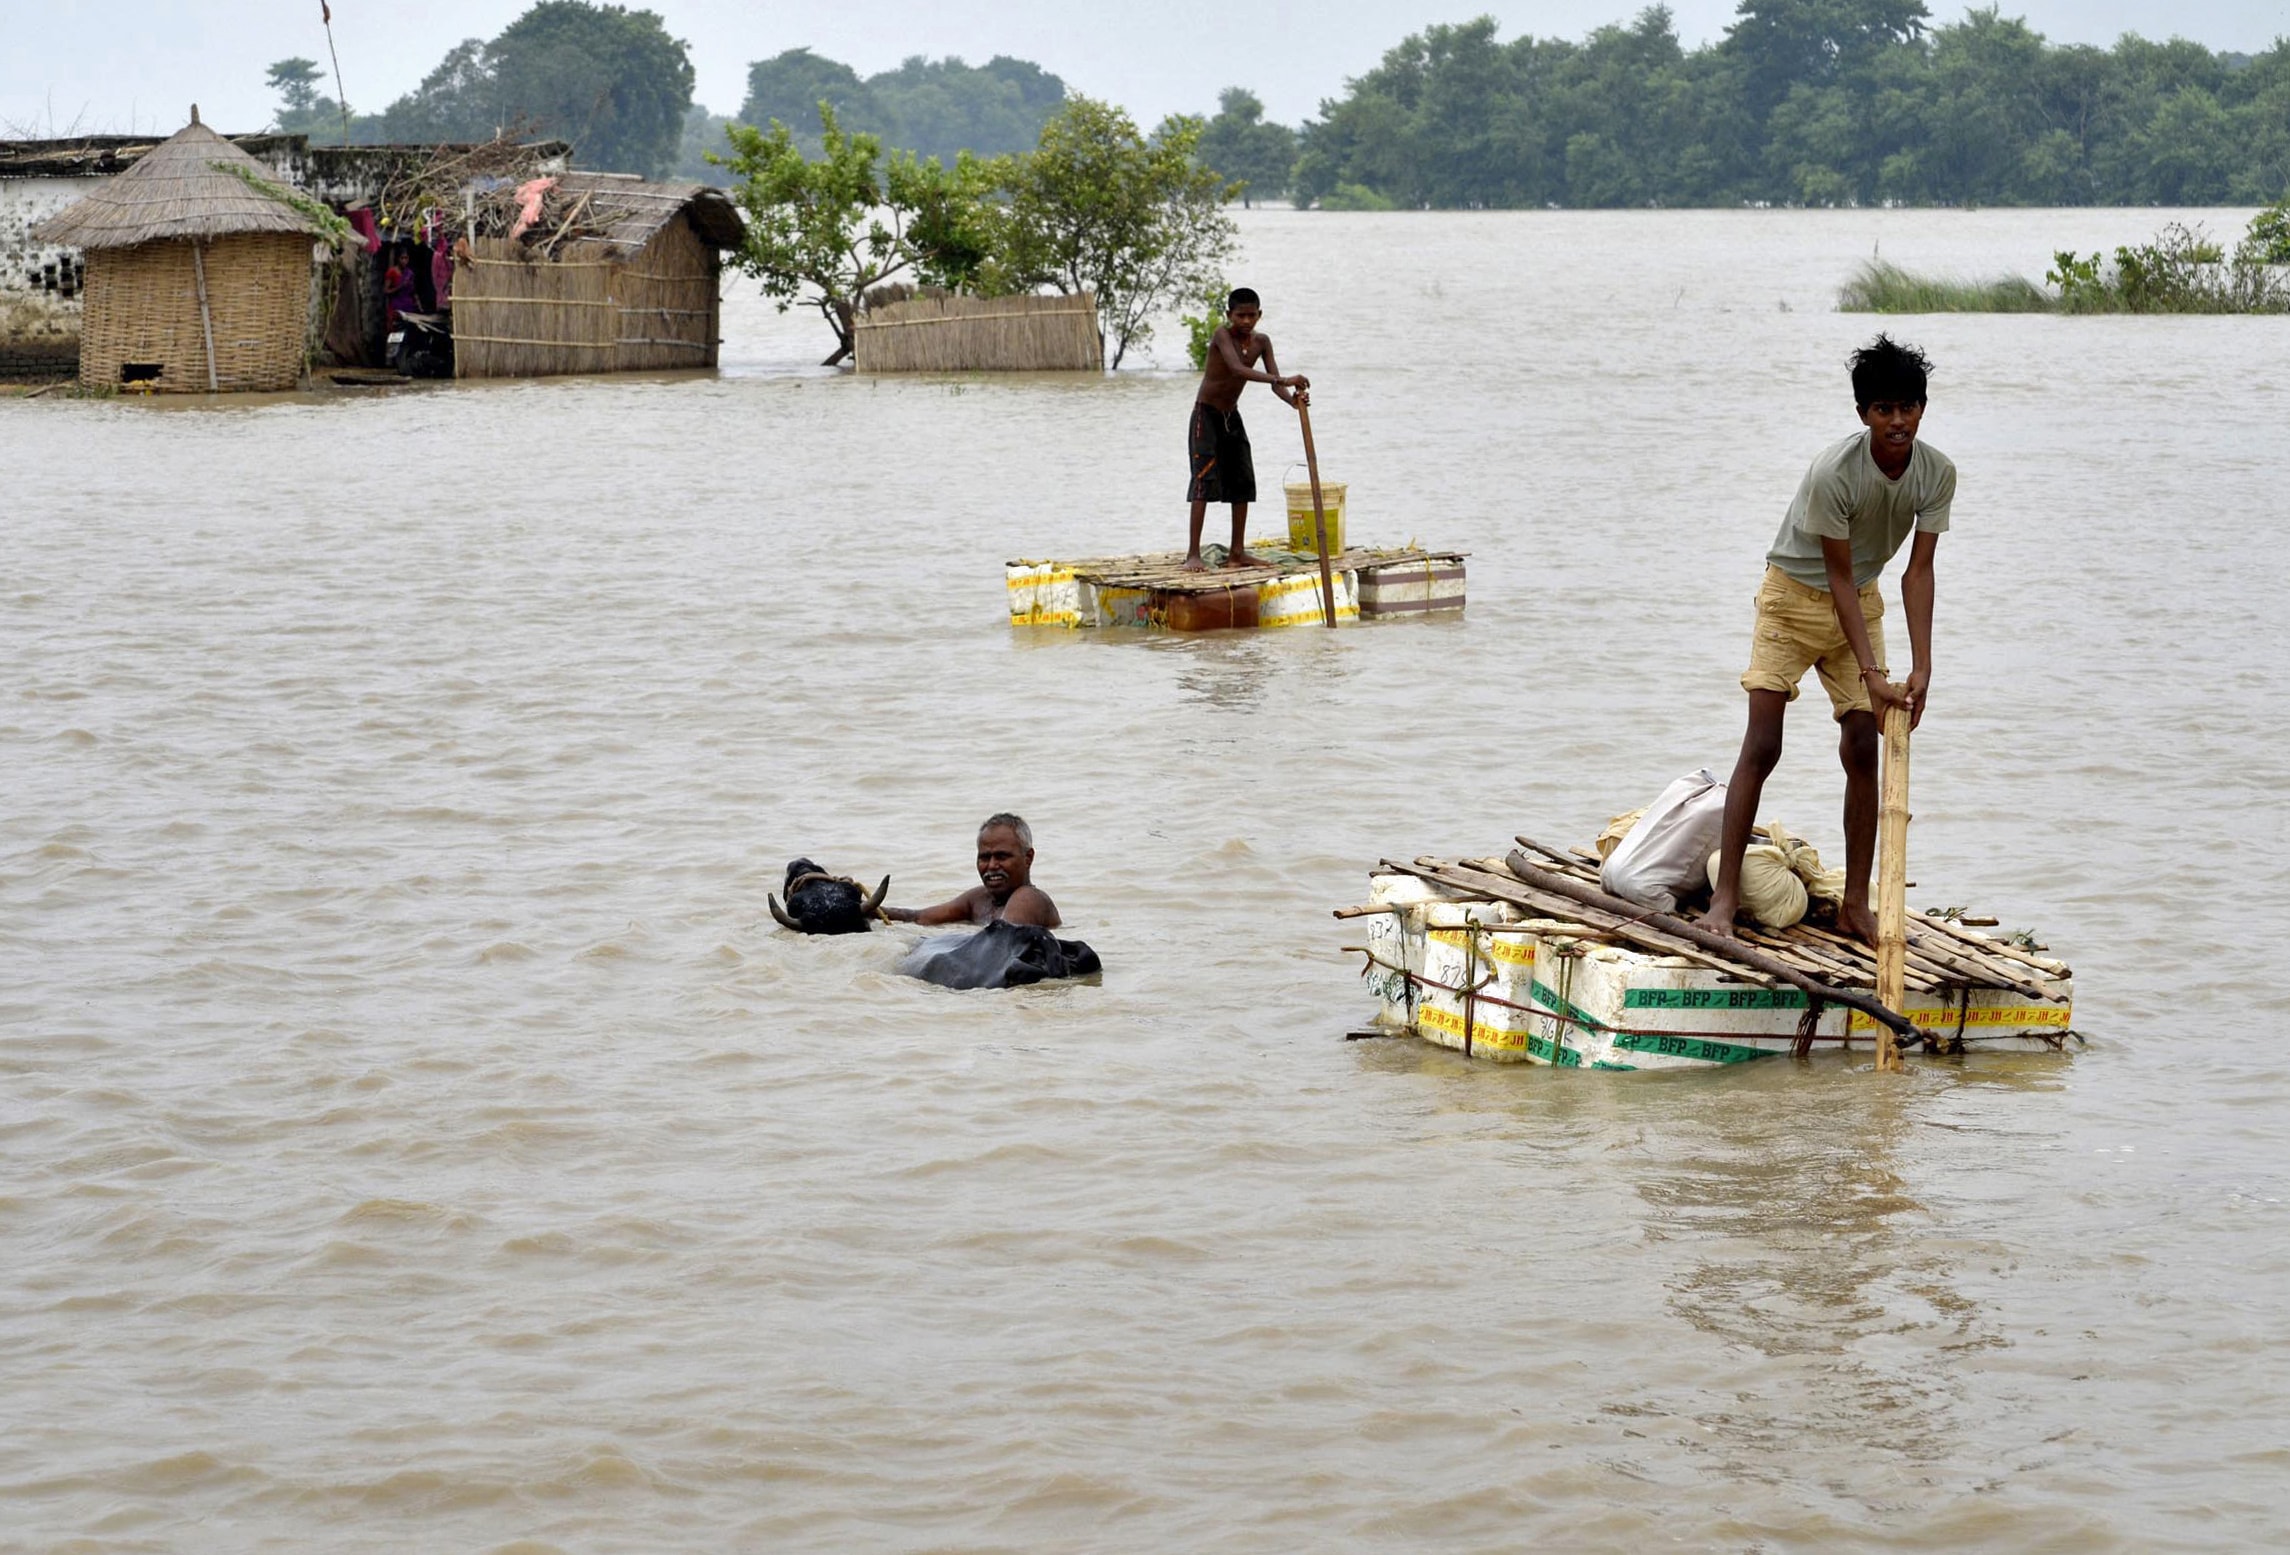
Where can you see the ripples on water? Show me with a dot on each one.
(416, 1135)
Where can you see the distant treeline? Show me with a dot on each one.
(615, 84)
(1802, 102)
(934, 108)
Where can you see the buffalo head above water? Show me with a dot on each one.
(820, 903)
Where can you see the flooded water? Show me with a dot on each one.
(414, 1134)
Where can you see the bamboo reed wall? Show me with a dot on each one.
(981, 334)
(519, 317)
(591, 310)
(143, 307)
(669, 296)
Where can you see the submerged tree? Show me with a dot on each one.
(822, 231)
(1099, 207)
(1248, 148)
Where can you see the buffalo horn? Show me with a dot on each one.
(873, 905)
(780, 913)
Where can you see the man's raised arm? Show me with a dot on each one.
(956, 911)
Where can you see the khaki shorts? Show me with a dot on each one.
(1797, 629)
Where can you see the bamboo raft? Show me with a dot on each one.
(1527, 959)
(1151, 590)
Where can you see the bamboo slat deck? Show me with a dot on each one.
(1943, 958)
(1161, 570)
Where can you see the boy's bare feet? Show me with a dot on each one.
(1857, 922)
(1244, 559)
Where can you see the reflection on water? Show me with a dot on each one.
(1805, 1244)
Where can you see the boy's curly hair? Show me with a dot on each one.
(1884, 369)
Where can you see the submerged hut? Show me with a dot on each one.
(605, 273)
(200, 270)
(940, 333)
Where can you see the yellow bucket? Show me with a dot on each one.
(1300, 538)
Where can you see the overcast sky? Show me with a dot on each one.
(136, 65)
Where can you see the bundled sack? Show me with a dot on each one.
(1770, 889)
(1000, 955)
(1663, 856)
(1782, 878)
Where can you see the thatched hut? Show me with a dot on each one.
(927, 333)
(199, 270)
(617, 275)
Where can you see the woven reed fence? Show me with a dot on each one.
(142, 311)
(669, 296)
(981, 334)
(515, 317)
(592, 309)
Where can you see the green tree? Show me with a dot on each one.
(699, 154)
(789, 87)
(295, 81)
(305, 110)
(822, 231)
(606, 78)
(937, 108)
(458, 100)
(1784, 44)
(609, 80)
(934, 108)
(1101, 208)
(1249, 149)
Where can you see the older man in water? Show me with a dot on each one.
(1005, 891)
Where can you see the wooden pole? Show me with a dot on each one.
(206, 319)
(1319, 516)
(1892, 882)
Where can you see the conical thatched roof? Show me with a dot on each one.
(176, 190)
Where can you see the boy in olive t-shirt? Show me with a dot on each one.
(1819, 608)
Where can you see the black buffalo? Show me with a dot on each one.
(1000, 955)
(820, 903)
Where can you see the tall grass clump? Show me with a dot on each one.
(2182, 270)
(1883, 287)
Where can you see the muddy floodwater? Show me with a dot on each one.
(415, 1134)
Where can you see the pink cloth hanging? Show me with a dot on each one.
(529, 196)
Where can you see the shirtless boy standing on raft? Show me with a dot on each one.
(1224, 470)
(1819, 608)
(1005, 888)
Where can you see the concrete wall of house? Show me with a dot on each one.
(40, 283)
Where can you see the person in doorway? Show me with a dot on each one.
(1224, 467)
(1005, 891)
(1819, 608)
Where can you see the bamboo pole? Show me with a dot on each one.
(1892, 881)
(206, 316)
(1319, 514)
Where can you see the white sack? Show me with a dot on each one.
(1663, 857)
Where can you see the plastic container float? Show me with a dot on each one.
(1491, 981)
(1151, 591)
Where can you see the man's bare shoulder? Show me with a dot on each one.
(1031, 904)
